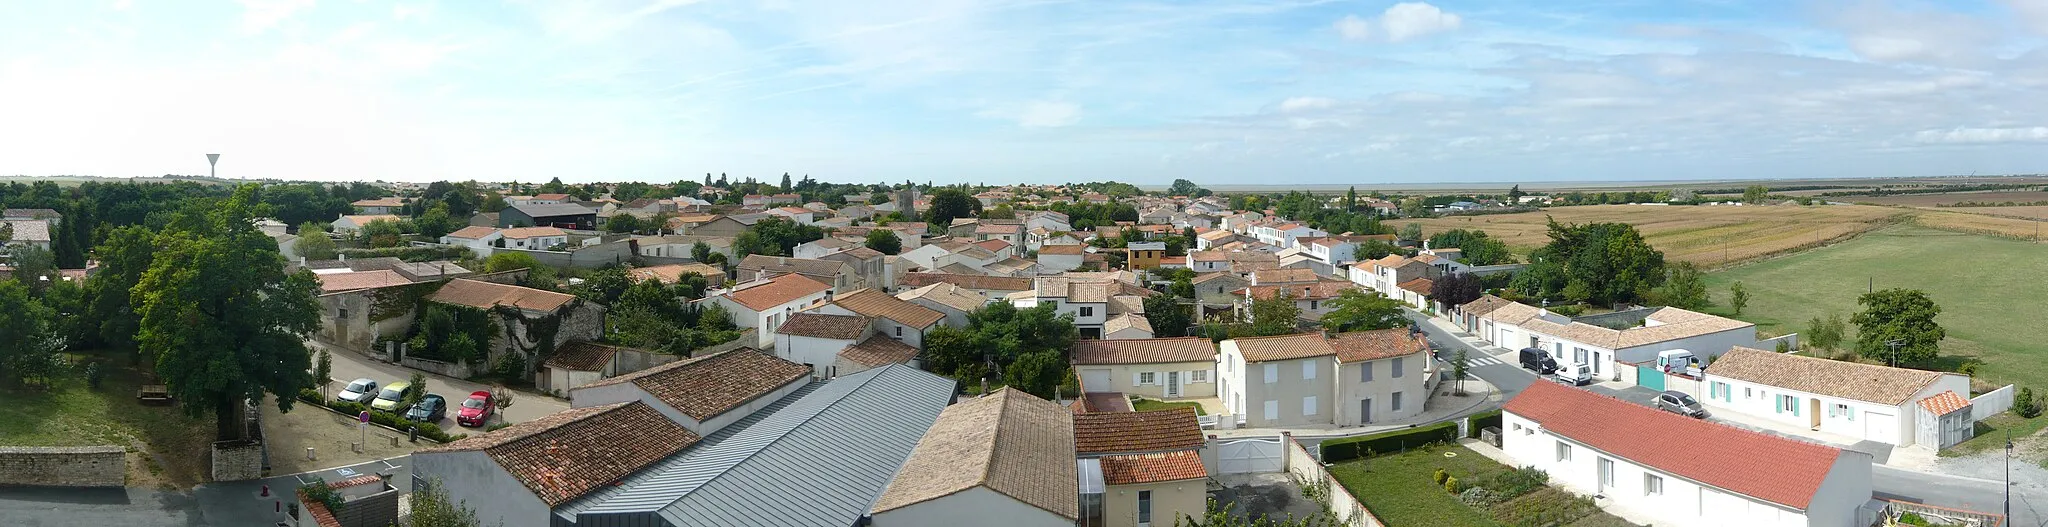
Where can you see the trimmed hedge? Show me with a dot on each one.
(410, 254)
(1481, 421)
(382, 418)
(1346, 449)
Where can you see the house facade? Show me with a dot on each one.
(1867, 402)
(764, 304)
(1166, 369)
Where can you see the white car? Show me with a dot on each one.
(358, 391)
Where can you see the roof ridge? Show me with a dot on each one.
(798, 424)
(599, 410)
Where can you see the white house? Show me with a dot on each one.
(379, 205)
(351, 224)
(1284, 235)
(1087, 301)
(1680, 470)
(1061, 258)
(1514, 325)
(892, 317)
(796, 214)
(536, 238)
(478, 239)
(815, 339)
(1345, 379)
(952, 300)
(1172, 368)
(764, 304)
(1861, 401)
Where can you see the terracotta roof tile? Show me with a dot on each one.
(1144, 351)
(472, 232)
(1137, 432)
(1103, 402)
(1284, 347)
(1009, 442)
(709, 386)
(1945, 402)
(583, 356)
(877, 351)
(519, 233)
(1361, 346)
(820, 325)
(1762, 466)
(1069, 250)
(970, 281)
(875, 303)
(1153, 468)
(1319, 290)
(485, 295)
(1485, 304)
(672, 273)
(1284, 276)
(1833, 378)
(564, 455)
(366, 219)
(778, 291)
(1127, 321)
(948, 295)
(338, 282)
(1419, 286)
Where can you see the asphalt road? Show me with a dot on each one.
(349, 366)
(232, 504)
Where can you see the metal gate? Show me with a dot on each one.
(1250, 456)
(1648, 376)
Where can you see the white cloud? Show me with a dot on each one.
(1983, 135)
(1408, 20)
(1295, 104)
(260, 15)
(2032, 13)
(1036, 114)
(1404, 21)
(1354, 28)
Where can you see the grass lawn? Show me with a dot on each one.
(1147, 405)
(169, 448)
(1989, 290)
(1401, 490)
(1991, 433)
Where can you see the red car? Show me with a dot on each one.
(477, 409)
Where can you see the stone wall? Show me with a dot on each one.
(446, 369)
(237, 460)
(84, 466)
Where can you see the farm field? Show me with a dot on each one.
(1934, 200)
(1710, 236)
(1988, 288)
(2039, 212)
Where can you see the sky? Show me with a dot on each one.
(1224, 92)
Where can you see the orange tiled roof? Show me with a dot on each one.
(1144, 351)
(709, 386)
(1361, 346)
(778, 291)
(1153, 468)
(1129, 432)
(485, 295)
(1944, 402)
(564, 455)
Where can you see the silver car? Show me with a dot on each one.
(359, 391)
(1681, 403)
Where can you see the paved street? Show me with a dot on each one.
(349, 366)
(233, 504)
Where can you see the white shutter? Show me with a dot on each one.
(1272, 373)
(1272, 410)
(1308, 405)
(1308, 369)
(1137, 379)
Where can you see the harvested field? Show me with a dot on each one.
(2039, 212)
(1707, 235)
(1933, 200)
(1982, 223)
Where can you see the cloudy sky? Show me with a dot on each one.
(1218, 91)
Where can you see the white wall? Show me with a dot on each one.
(1352, 390)
(1846, 489)
(1861, 422)
(818, 353)
(1170, 501)
(975, 506)
(1683, 502)
(1288, 392)
(1124, 378)
(1059, 262)
(476, 480)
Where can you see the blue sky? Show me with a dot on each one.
(1217, 91)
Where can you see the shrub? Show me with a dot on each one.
(2025, 404)
(1479, 497)
(1346, 449)
(93, 375)
(1548, 506)
(410, 254)
(1451, 484)
(318, 491)
(427, 430)
(1441, 476)
(1515, 483)
(1483, 420)
(1913, 518)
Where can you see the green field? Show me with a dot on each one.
(1990, 289)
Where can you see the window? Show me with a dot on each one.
(1720, 391)
(1606, 473)
(1653, 485)
(1144, 507)
(1397, 366)
(1198, 376)
(1787, 402)
(1308, 405)
(1148, 377)
(1311, 305)
(1745, 393)
(1272, 410)
(1365, 372)
(899, 332)
(1308, 369)
(1564, 451)
(341, 313)
(1087, 311)
(1397, 401)
(1579, 355)
(1841, 410)
(1272, 373)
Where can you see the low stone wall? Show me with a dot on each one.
(237, 460)
(80, 466)
(447, 369)
(1308, 473)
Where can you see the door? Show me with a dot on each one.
(1813, 415)
(1364, 411)
(1881, 427)
(1096, 379)
(1172, 384)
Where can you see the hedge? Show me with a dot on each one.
(410, 254)
(1481, 421)
(382, 418)
(1349, 448)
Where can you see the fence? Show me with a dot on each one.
(1255, 455)
(1991, 403)
(1317, 483)
(1946, 516)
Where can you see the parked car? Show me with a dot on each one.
(1538, 361)
(1573, 375)
(476, 409)
(359, 391)
(389, 399)
(430, 409)
(1680, 403)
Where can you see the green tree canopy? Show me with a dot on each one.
(223, 321)
(28, 340)
(1902, 315)
(1355, 310)
(884, 241)
(1168, 316)
(1596, 262)
(1685, 287)
(949, 203)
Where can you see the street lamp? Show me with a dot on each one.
(211, 161)
(2008, 474)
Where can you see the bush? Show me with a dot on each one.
(1515, 483)
(1479, 497)
(1441, 475)
(1572, 310)
(1549, 506)
(1483, 420)
(318, 491)
(93, 375)
(2024, 404)
(1913, 518)
(1350, 448)
(410, 254)
(1451, 484)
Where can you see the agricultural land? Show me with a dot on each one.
(1710, 236)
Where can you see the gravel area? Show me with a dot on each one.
(329, 434)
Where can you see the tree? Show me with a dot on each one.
(1356, 310)
(1275, 315)
(1351, 199)
(1182, 187)
(1460, 369)
(785, 182)
(314, 244)
(1755, 194)
(124, 256)
(749, 242)
(1826, 332)
(948, 349)
(224, 321)
(1515, 195)
(884, 241)
(1168, 316)
(431, 508)
(1374, 250)
(700, 251)
(1738, 297)
(1037, 373)
(323, 372)
(1905, 316)
(1685, 287)
(538, 275)
(949, 203)
(34, 267)
(1599, 262)
(1412, 231)
(625, 223)
(28, 344)
(415, 389)
(1456, 289)
(2026, 404)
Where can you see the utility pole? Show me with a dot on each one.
(1895, 344)
(2008, 475)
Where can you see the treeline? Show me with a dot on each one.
(1936, 189)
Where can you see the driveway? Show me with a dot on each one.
(350, 365)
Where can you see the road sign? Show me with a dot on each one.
(363, 417)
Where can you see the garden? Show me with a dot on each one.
(1451, 486)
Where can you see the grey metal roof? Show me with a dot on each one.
(818, 457)
(547, 210)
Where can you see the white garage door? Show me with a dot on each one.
(1881, 427)
(1097, 380)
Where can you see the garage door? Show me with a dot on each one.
(1097, 380)
(1881, 427)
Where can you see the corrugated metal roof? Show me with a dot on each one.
(787, 465)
